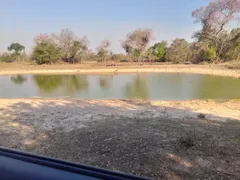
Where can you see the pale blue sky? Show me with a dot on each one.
(21, 20)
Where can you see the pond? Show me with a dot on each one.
(153, 86)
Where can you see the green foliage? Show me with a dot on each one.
(16, 47)
(7, 58)
(46, 53)
(103, 50)
(211, 45)
(158, 51)
(232, 50)
(214, 19)
(136, 54)
(202, 51)
(73, 49)
(210, 54)
(233, 54)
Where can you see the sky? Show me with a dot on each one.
(22, 20)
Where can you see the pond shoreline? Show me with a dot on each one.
(145, 138)
(82, 69)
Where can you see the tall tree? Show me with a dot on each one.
(232, 49)
(103, 50)
(214, 18)
(65, 41)
(158, 50)
(79, 49)
(73, 48)
(179, 51)
(17, 48)
(136, 42)
(46, 53)
(201, 51)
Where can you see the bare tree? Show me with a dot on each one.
(136, 42)
(179, 51)
(66, 41)
(80, 48)
(103, 50)
(71, 45)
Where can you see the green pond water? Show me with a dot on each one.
(153, 86)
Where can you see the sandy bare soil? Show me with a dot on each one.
(162, 140)
(13, 68)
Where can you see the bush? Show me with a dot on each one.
(210, 54)
(7, 58)
(46, 53)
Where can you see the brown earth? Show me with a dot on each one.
(88, 68)
(158, 139)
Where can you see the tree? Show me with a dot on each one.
(136, 43)
(232, 49)
(158, 51)
(200, 51)
(46, 53)
(91, 55)
(179, 51)
(103, 50)
(17, 48)
(66, 41)
(72, 47)
(80, 49)
(214, 18)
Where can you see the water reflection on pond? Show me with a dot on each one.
(19, 79)
(156, 86)
(48, 84)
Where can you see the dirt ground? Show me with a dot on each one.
(157, 139)
(91, 68)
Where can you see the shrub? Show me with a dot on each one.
(46, 53)
(7, 58)
(210, 54)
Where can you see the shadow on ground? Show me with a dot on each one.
(126, 136)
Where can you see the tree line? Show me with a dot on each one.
(214, 42)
